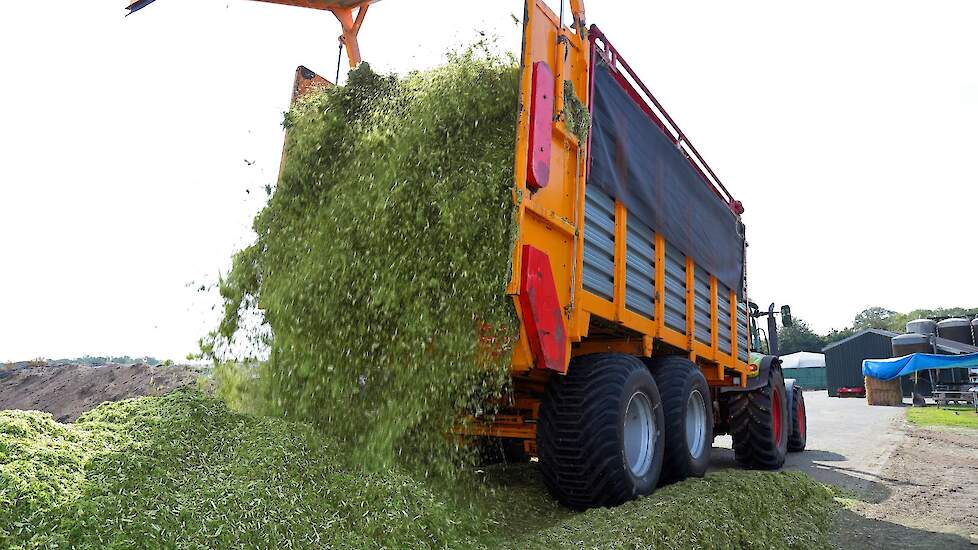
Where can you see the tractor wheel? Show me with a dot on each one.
(599, 436)
(799, 423)
(688, 413)
(759, 424)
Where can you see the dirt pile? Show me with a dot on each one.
(66, 391)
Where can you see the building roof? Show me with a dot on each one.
(943, 344)
(860, 334)
(802, 360)
(956, 348)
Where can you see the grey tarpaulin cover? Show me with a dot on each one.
(634, 161)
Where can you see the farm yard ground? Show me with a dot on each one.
(910, 486)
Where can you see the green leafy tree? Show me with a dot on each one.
(835, 335)
(875, 317)
(898, 321)
(799, 337)
(967, 313)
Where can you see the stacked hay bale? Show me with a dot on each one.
(883, 392)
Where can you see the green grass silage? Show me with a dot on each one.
(383, 256)
(184, 471)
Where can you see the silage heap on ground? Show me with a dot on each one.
(383, 256)
(184, 471)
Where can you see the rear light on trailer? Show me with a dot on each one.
(543, 318)
(541, 126)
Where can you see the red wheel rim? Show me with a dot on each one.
(802, 425)
(776, 415)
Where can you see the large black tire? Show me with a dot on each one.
(759, 424)
(688, 412)
(799, 422)
(581, 435)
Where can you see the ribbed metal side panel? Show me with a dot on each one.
(640, 268)
(701, 291)
(742, 352)
(599, 244)
(675, 295)
(723, 321)
(812, 378)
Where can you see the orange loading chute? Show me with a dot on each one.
(349, 13)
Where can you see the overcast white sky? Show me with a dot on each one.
(847, 128)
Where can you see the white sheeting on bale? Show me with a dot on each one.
(802, 360)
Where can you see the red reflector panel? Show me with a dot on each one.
(541, 126)
(543, 317)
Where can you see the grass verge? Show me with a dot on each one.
(958, 417)
(184, 471)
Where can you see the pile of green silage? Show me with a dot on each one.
(382, 259)
(727, 509)
(184, 471)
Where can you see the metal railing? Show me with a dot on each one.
(603, 47)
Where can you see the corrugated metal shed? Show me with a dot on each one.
(844, 359)
(809, 378)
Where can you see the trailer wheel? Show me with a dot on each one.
(599, 436)
(799, 423)
(688, 414)
(759, 424)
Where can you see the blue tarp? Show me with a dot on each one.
(888, 369)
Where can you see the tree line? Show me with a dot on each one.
(96, 361)
(801, 337)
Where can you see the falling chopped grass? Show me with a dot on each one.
(383, 256)
(184, 471)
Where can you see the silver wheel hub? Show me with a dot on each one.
(640, 434)
(696, 424)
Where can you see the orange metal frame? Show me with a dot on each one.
(551, 219)
(349, 13)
